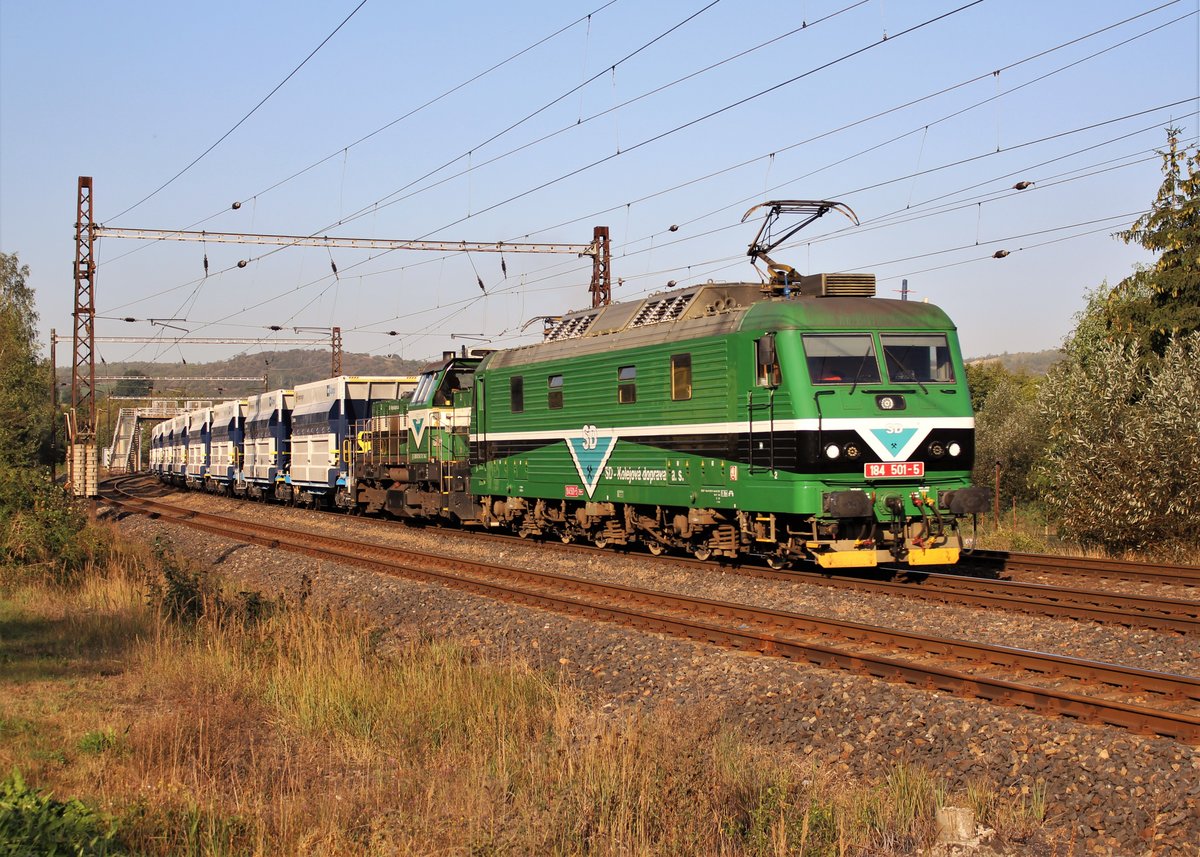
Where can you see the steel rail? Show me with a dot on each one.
(1101, 569)
(1184, 727)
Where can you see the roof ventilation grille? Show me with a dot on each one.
(570, 327)
(838, 285)
(664, 309)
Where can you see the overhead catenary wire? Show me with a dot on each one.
(662, 135)
(676, 129)
(973, 79)
(238, 124)
(1024, 144)
(412, 112)
(778, 151)
(371, 274)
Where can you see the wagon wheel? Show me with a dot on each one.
(702, 553)
(656, 548)
(778, 562)
(600, 541)
(566, 537)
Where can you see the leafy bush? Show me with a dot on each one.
(42, 529)
(1124, 449)
(33, 823)
(186, 595)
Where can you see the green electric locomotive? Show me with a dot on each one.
(719, 420)
(802, 418)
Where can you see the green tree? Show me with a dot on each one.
(24, 378)
(1009, 429)
(1168, 292)
(134, 383)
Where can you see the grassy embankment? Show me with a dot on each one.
(188, 721)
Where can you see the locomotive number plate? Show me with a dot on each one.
(894, 469)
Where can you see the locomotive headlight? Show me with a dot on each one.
(954, 449)
(936, 450)
(886, 403)
(832, 451)
(852, 451)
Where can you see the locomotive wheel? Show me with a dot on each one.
(656, 548)
(600, 542)
(567, 538)
(701, 553)
(778, 562)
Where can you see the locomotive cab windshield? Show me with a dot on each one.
(425, 386)
(923, 357)
(841, 358)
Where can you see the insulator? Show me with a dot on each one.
(479, 280)
(333, 265)
(242, 263)
(674, 227)
(503, 268)
(274, 327)
(1021, 185)
(206, 264)
(129, 319)
(999, 254)
(671, 284)
(236, 205)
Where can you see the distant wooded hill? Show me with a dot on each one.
(1030, 362)
(284, 369)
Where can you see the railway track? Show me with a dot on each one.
(1128, 610)
(1049, 684)
(1160, 614)
(1087, 567)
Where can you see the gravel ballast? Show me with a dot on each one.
(1115, 792)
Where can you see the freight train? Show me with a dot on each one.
(798, 419)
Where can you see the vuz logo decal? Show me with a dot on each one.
(590, 451)
(894, 442)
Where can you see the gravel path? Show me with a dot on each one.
(1119, 793)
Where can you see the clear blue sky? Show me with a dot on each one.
(131, 93)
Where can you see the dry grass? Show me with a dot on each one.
(1026, 529)
(292, 731)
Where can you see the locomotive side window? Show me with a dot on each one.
(841, 358)
(918, 357)
(516, 393)
(554, 396)
(681, 377)
(454, 381)
(767, 360)
(627, 385)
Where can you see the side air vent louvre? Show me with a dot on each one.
(838, 285)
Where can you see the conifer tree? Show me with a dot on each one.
(1171, 287)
